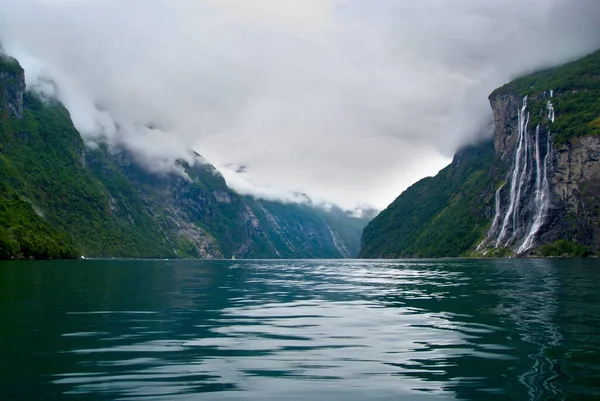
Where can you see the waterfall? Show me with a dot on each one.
(542, 196)
(523, 122)
(496, 218)
(551, 113)
(522, 182)
(538, 177)
(529, 189)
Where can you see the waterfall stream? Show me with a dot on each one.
(529, 190)
(522, 184)
(542, 197)
(551, 113)
(523, 122)
(496, 218)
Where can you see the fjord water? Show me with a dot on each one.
(300, 330)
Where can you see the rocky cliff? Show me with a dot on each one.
(536, 193)
(12, 88)
(60, 199)
(576, 189)
(547, 158)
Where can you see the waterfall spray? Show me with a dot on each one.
(496, 218)
(522, 182)
(542, 200)
(538, 178)
(528, 198)
(523, 121)
(551, 113)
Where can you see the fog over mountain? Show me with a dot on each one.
(348, 101)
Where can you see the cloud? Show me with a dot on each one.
(237, 177)
(346, 100)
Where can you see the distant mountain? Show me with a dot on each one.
(60, 199)
(534, 190)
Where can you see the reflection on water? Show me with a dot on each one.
(531, 302)
(300, 330)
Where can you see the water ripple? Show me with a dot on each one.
(302, 330)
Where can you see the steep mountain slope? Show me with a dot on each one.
(207, 219)
(536, 193)
(60, 199)
(22, 230)
(441, 215)
(43, 158)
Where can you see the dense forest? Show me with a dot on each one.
(44, 183)
(437, 216)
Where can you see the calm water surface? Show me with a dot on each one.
(300, 330)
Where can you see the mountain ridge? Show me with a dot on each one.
(61, 199)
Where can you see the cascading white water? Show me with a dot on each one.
(538, 191)
(538, 163)
(497, 203)
(529, 196)
(551, 113)
(523, 122)
(542, 199)
(522, 183)
(496, 218)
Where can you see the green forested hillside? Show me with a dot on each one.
(437, 216)
(52, 205)
(44, 159)
(576, 99)
(23, 232)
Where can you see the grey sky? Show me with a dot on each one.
(349, 101)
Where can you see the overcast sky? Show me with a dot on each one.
(349, 101)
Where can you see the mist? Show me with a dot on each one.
(347, 101)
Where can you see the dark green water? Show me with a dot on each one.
(300, 330)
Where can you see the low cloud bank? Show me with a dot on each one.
(345, 100)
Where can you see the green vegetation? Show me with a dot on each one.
(49, 154)
(439, 216)
(576, 99)
(42, 160)
(564, 248)
(9, 65)
(186, 248)
(24, 234)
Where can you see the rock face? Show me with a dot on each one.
(505, 107)
(524, 165)
(577, 168)
(12, 87)
(576, 192)
(209, 220)
(558, 196)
